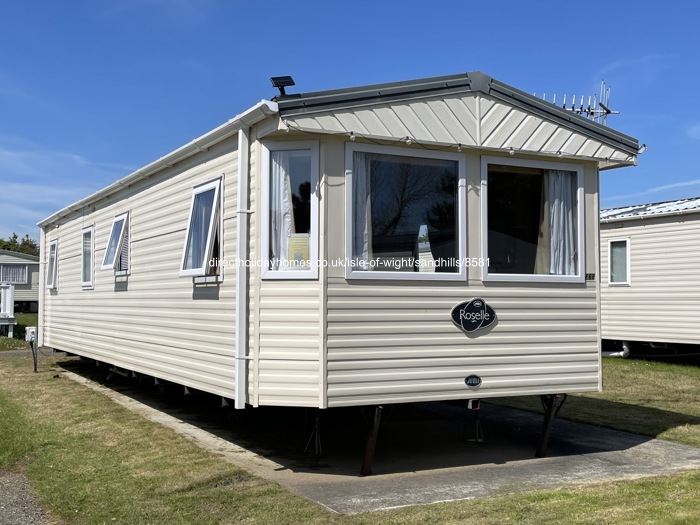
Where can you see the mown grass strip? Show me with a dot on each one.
(92, 461)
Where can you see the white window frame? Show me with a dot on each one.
(89, 283)
(112, 265)
(265, 165)
(3, 276)
(352, 273)
(52, 266)
(217, 214)
(626, 240)
(580, 276)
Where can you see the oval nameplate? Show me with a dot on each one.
(473, 381)
(472, 315)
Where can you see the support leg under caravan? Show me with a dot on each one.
(551, 403)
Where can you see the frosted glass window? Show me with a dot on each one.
(619, 262)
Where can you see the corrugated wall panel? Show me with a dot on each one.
(662, 302)
(151, 321)
(397, 343)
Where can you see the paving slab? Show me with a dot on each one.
(424, 453)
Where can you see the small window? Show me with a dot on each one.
(290, 211)
(52, 266)
(406, 215)
(87, 267)
(14, 273)
(117, 254)
(619, 262)
(203, 236)
(532, 215)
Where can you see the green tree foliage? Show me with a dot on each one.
(25, 245)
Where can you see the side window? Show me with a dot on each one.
(14, 273)
(290, 211)
(88, 249)
(532, 220)
(202, 241)
(619, 262)
(52, 266)
(117, 254)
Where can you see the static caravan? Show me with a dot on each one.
(434, 239)
(651, 274)
(22, 271)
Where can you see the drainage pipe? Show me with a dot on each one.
(623, 353)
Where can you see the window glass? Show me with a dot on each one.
(13, 273)
(404, 213)
(117, 253)
(290, 210)
(52, 265)
(87, 251)
(532, 217)
(619, 272)
(202, 240)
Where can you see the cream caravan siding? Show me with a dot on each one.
(471, 119)
(662, 302)
(286, 328)
(394, 341)
(28, 291)
(151, 321)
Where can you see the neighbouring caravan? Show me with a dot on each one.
(22, 271)
(434, 239)
(650, 274)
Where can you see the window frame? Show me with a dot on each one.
(52, 266)
(265, 164)
(628, 251)
(580, 276)
(462, 230)
(120, 242)
(3, 266)
(217, 215)
(87, 285)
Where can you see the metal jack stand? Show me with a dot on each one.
(316, 438)
(368, 459)
(474, 405)
(551, 403)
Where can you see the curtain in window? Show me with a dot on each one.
(281, 217)
(87, 257)
(362, 208)
(124, 252)
(202, 209)
(13, 273)
(51, 274)
(618, 262)
(561, 200)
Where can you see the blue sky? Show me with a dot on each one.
(92, 90)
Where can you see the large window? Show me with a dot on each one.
(52, 266)
(117, 254)
(88, 248)
(532, 214)
(14, 273)
(290, 210)
(619, 262)
(201, 251)
(406, 214)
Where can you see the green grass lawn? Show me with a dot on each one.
(17, 342)
(92, 461)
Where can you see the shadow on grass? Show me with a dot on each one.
(413, 437)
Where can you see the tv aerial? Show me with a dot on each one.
(597, 109)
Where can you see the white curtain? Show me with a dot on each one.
(561, 198)
(362, 208)
(13, 273)
(281, 215)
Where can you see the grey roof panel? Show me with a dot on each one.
(640, 211)
(307, 103)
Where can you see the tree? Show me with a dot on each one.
(26, 245)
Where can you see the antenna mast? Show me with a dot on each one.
(597, 109)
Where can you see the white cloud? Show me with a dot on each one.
(35, 183)
(694, 132)
(654, 190)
